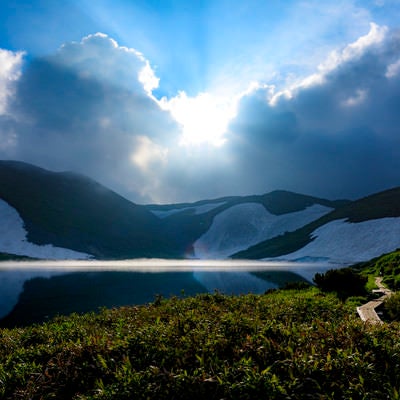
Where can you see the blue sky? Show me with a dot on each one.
(168, 101)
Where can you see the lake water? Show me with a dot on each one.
(36, 291)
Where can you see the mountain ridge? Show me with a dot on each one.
(72, 211)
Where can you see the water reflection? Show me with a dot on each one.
(34, 290)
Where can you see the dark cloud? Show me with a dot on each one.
(88, 109)
(84, 109)
(339, 138)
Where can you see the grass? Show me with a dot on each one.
(387, 266)
(287, 344)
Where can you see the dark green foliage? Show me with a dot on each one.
(284, 345)
(345, 282)
(391, 307)
(296, 286)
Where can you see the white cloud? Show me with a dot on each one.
(10, 71)
(335, 59)
(98, 56)
(393, 69)
(356, 49)
(148, 78)
(358, 98)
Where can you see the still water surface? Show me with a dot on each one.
(36, 291)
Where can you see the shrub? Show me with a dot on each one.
(345, 282)
(392, 307)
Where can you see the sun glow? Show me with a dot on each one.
(204, 119)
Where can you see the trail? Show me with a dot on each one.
(367, 311)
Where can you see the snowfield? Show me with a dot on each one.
(13, 239)
(346, 243)
(247, 224)
(196, 210)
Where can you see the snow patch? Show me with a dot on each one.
(346, 243)
(244, 225)
(196, 210)
(13, 239)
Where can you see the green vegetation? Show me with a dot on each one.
(345, 282)
(287, 344)
(391, 307)
(387, 266)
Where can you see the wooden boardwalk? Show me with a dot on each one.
(367, 311)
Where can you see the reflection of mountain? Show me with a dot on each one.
(65, 215)
(59, 292)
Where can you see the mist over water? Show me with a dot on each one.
(142, 278)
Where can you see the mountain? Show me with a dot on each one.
(74, 212)
(357, 231)
(220, 227)
(57, 215)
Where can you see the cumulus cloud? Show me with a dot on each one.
(87, 108)
(335, 137)
(10, 71)
(90, 108)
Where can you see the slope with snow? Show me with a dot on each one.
(246, 224)
(201, 209)
(13, 239)
(345, 243)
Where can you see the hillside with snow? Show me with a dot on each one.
(345, 242)
(13, 239)
(246, 224)
(51, 215)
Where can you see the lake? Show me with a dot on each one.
(37, 291)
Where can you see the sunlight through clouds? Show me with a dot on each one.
(148, 154)
(172, 103)
(204, 118)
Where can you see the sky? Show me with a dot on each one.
(176, 101)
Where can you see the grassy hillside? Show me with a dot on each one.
(387, 266)
(72, 211)
(286, 344)
(380, 205)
